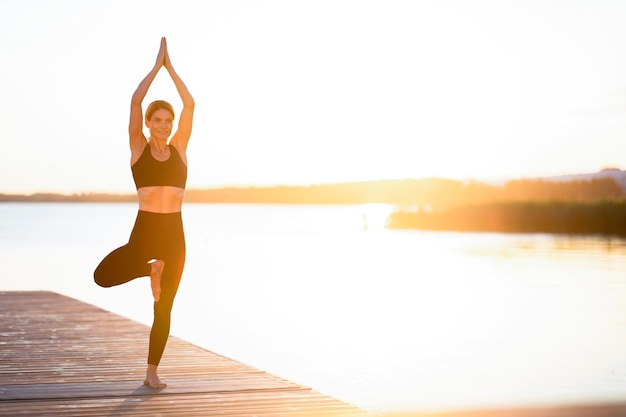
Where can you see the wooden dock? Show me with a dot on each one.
(62, 357)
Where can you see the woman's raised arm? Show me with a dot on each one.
(183, 133)
(135, 126)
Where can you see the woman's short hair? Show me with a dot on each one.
(158, 105)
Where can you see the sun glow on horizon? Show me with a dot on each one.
(401, 89)
(375, 215)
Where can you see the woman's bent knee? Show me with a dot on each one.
(99, 282)
(99, 278)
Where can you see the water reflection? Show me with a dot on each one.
(401, 320)
(416, 320)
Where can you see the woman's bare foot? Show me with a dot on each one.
(155, 278)
(152, 379)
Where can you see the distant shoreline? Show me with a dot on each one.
(438, 192)
(606, 218)
(66, 198)
(587, 206)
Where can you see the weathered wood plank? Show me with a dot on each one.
(59, 356)
(231, 404)
(132, 388)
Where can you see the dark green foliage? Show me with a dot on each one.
(603, 217)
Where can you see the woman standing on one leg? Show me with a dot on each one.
(156, 247)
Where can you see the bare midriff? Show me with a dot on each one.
(161, 199)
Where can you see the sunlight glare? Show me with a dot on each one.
(375, 215)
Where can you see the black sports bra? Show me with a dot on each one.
(148, 171)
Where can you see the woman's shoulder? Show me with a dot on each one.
(137, 148)
(182, 154)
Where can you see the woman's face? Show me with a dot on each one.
(160, 124)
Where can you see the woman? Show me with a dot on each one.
(156, 247)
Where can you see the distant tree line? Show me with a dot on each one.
(64, 198)
(524, 205)
(435, 192)
(602, 217)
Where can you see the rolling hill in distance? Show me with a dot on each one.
(616, 174)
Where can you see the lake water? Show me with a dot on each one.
(387, 320)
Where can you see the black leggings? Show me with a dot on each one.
(154, 236)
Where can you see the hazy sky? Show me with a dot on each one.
(298, 92)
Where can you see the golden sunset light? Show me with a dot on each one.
(313, 207)
(317, 92)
